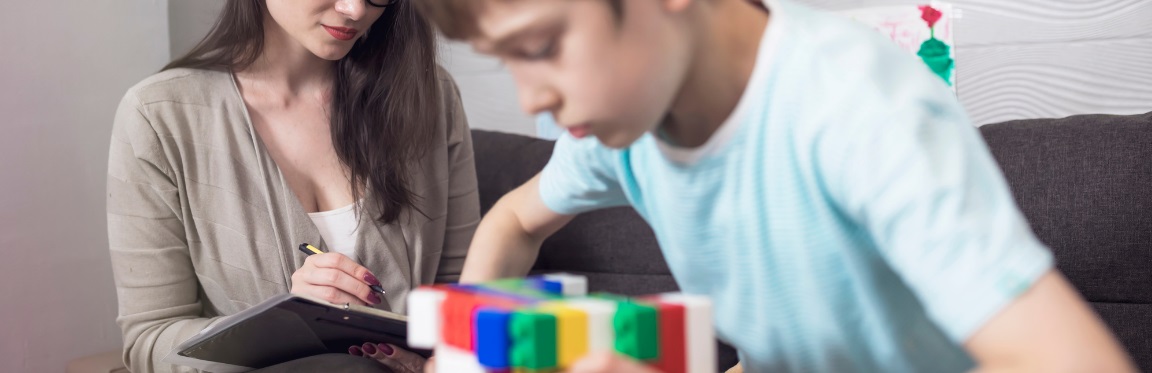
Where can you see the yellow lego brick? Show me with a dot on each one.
(571, 333)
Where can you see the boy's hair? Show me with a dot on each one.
(457, 18)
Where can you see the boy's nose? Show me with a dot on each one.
(536, 101)
(353, 9)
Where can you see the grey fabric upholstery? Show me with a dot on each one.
(1085, 184)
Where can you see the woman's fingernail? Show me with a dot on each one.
(355, 351)
(369, 349)
(387, 349)
(372, 297)
(371, 280)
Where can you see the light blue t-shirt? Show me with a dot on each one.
(847, 216)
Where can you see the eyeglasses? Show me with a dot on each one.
(381, 3)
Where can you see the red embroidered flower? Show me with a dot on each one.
(930, 15)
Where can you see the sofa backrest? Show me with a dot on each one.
(1085, 185)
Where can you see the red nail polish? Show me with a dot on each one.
(355, 351)
(371, 280)
(369, 349)
(386, 349)
(372, 297)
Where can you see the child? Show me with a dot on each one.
(820, 185)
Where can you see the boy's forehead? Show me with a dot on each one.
(500, 21)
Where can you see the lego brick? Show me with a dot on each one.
(523, 291)
(492, 339)
(454, 360)
(571, 285)
(424, 317)
(553, 287)
(457, 310)
(637, 330)
(601, 334)
(699, 333)
(496, 298)
(673, 324)
(533, 340)
(571, 332)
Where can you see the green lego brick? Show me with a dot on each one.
(637, 330)
(533, 335)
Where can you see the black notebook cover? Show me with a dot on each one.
(288, 327)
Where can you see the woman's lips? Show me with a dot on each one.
(341, 33)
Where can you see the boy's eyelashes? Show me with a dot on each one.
(539, 52)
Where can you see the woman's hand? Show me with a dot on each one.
(395, 358)
(335, 278)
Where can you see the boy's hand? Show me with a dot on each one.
(607, 362)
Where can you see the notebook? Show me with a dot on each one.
(288, 327)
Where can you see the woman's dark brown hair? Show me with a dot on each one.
(385, 98)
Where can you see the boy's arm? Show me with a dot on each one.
(933, 200)
(1049, 328)
(509, 237)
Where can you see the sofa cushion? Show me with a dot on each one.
(1085, 185)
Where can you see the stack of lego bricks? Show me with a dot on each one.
(546, 323)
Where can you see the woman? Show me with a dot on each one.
(319, 121)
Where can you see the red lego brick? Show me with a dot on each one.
(673, 354)
(456, 327)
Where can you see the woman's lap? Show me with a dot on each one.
(328, 363)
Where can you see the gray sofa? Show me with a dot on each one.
(1084, 182)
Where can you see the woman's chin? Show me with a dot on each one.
(332, 53)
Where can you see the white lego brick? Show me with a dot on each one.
(571, 285)
(699, 333)
(601, 334)
(454, 360)
(424, 317)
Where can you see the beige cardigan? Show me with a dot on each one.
(201, 223)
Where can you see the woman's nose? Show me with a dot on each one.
(353, 9)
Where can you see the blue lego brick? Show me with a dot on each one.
(492, 338)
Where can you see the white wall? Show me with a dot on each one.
(1020, 59)
(189, 21)
(65, 66)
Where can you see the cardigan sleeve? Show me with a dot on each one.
(463, 197)
(156, 285)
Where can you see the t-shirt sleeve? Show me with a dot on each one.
(581, 176)
(925, 187)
